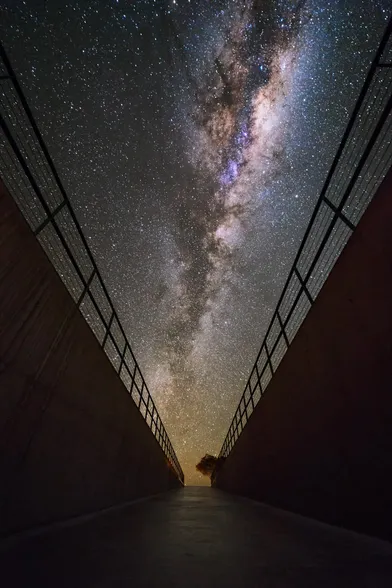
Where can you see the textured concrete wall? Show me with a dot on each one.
(72, 440)
(320, 440)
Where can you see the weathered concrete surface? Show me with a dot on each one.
(320, 440)
(72, 440)
(197, 537)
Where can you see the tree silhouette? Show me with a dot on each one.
(209, 464)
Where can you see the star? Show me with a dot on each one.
(182, 131)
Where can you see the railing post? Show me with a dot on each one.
(86, 288)
(108, 326)
(269, 358)
(283, 329)
(303, 285)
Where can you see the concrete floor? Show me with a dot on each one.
(196, 537)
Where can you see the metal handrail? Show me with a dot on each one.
(30, 176)
(361, 162)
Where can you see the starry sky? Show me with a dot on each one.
(193, 138)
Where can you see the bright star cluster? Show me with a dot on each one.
(193, 139)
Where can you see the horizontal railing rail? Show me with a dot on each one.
(30, 176)
(362, 160)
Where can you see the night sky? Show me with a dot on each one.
(193, 138)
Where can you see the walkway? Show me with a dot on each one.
(196, 537)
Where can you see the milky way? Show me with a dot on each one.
(193, 139)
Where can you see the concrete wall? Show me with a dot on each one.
(71, 438)
(320, 441)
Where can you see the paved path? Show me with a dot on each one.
(196, 537)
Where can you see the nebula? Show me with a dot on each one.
(240, 117)
(250, 154)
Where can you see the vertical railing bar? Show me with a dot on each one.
(283, 330)
(340, 214)
(259, 378)
(141, 395)
(49, 218)
(123, 356)
(108, 326)
(86, 288)
(269, 358)
(304, 286)
(133, 379)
